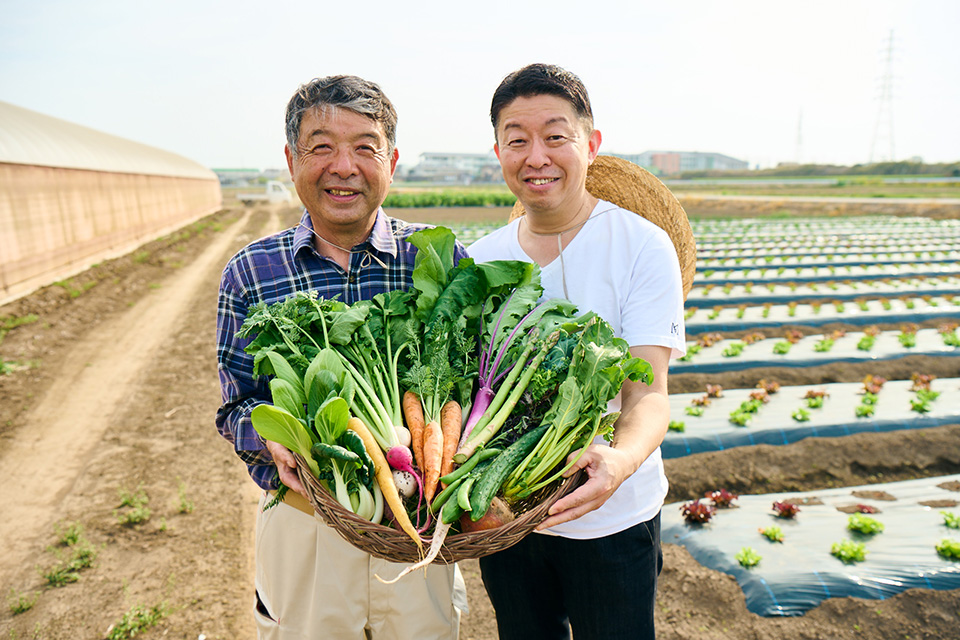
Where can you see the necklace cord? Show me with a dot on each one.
(559, 234)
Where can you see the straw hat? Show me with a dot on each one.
(633, 188)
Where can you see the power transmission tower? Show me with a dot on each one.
(799, 157)
(884, 124)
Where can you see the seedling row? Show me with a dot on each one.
(720, 419)
(826, 260)
(785, 274)
(731, 293)
(712, 352)
(790, 551)
(861, 312)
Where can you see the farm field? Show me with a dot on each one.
(112, 391)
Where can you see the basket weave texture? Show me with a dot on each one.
(635, 189)
(396, 546)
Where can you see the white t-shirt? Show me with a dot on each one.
(625, 269)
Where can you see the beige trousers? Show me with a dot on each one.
(312, 584)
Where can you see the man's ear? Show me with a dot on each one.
(496, 150)
(393, 162)
(594, 144)
(286, 152)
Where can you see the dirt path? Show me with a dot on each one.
(99, 397)
(71, 417)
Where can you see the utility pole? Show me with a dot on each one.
(884, 123)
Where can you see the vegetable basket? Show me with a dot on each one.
(396, 546)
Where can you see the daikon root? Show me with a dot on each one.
(439, 535)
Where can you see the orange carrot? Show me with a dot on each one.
(432, 458)
(451, 419)
(385, 480)
(413, 413)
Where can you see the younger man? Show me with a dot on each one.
(596, 565)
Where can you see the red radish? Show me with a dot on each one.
(400, 458)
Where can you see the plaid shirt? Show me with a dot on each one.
(271, 269)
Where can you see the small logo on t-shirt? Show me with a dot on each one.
(674, 328)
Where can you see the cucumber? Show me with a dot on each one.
(489, 483)
(441, 498)
(453, 486)
(451, 512)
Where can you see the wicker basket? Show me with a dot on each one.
(396, 546)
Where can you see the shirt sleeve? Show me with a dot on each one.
(240, 391)
(652, 314)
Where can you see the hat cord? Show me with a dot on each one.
(363, 263)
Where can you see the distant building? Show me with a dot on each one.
(457, 168)
(244, 177)
(670, 163)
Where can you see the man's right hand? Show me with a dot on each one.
(286, 466)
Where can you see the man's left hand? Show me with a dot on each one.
(606, 468)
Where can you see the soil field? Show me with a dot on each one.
(107, 423)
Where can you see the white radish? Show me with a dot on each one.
(403, 435)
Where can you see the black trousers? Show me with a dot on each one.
(604, 589)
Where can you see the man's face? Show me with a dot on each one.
(342, 169)
(544, 151)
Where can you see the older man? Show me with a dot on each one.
(596, 568)
(310, 583)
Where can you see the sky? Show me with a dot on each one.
(765, 82)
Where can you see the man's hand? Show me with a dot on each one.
(607, 468)
(286, 466)
(643, 420)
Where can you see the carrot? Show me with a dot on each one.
(385, 480)
(432, 458)
(413, 412)
(451, 419)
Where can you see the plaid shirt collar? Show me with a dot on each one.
(381, 236)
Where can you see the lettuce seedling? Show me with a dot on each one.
(773, 534)
(722, 498)
(697, 512)
(864, 524)
(949, 548)
(747, 557)
(951, 520)
(786, 509)
(849, 551)
(733, 350)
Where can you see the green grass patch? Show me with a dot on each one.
(133, 509)
(73, 289)
(73, 552)
(450, 198)
(135, 621)
(21, 602)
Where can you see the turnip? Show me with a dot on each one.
(406, 482)
(403, 435)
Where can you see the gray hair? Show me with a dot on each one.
(346, 92)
